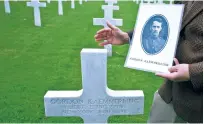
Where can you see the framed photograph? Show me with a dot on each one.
(155, 37)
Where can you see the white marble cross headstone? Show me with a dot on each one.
(111, 2)
(7, 6)
(137, 1)
(108, 16)
(36, 4)
(171, 1)
(72, 4)
(160, 1)
(60, 7)
(95, 102)
(80, 1)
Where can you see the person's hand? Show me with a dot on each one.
(113, 35)
(178, 73)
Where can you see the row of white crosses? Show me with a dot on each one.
(36, 5)
(60, 6)
(108, 16)
(8, 10)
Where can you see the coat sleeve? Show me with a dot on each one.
(196, 75)
(130, 33)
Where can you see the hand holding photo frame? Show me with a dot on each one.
(155, 37)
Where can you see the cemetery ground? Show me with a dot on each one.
(34, 60)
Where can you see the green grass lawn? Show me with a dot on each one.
(34, 60)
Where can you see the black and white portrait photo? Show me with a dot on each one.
(155, 37)
(155, 34)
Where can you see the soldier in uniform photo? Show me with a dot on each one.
(153, 42)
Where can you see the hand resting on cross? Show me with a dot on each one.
(113, 35)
